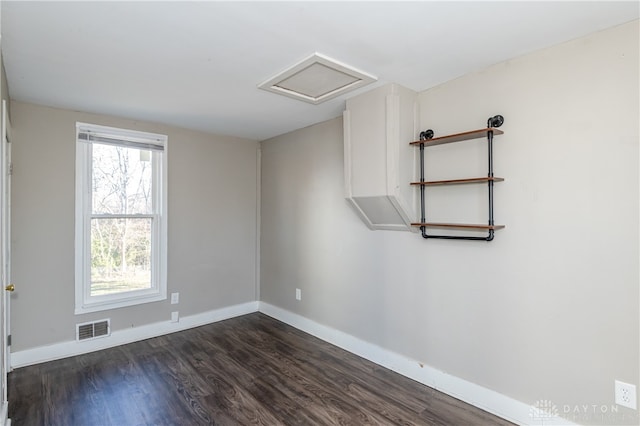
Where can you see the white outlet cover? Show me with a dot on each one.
(298, 294)
(626, 395)
(175, 298)
(174, 316)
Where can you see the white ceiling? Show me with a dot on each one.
(197, 64)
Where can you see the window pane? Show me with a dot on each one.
(121, 180)
(120, 255)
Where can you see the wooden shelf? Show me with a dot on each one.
(459, 181)
(489, 179)
(458, 137)
(466, 226)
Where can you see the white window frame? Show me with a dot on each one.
(86, 134)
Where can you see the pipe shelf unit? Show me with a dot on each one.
(459, 181)
(458, 137)
(427, 140)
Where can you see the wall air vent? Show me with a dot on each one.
(317, 79)
(93, 330)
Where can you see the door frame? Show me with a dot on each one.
(5, 260)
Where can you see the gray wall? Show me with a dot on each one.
(212, 224)
(547, 311)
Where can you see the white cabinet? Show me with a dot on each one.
(378, 161)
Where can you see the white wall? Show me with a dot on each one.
(212, 225)
(547, 311)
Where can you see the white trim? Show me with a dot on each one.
(4, 414)
(4, 259)
(478, 396)
(84, 302)
(129, 335)
(258, 218)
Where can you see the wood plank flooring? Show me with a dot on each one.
(247, 370)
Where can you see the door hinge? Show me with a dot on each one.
(9, 340)
(10, 168)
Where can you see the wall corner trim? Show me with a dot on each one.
(122, 337)
(478, 396)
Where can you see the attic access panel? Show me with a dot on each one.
(317, 79)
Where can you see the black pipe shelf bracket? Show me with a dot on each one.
(426, 140)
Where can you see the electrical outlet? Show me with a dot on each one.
(175, 298)
(298, 294)
(174, 316)
(626, 395)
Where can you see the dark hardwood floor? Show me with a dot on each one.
(247, 370)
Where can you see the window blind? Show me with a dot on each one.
(132, 141)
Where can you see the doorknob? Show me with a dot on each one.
(10, 287)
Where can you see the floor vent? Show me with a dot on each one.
(93, 330)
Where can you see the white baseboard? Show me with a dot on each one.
(122, 337)
(4, 414)
(483, 398)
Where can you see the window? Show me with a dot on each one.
(121, 217)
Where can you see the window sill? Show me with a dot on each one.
(120, 303)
